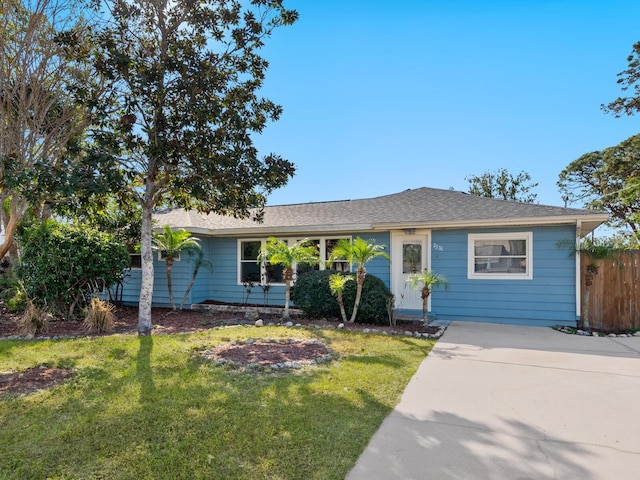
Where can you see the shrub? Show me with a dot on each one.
(373, 304)
(62, 264)
(33, 320)
(312, 294)
(98, 316)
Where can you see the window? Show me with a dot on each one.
(249, 268)
(339, 265)
(250, 271)
(500, 256)
(135, 260)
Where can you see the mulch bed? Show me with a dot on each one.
(167, 321)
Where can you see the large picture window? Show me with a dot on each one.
(501, 256)
(250, 271)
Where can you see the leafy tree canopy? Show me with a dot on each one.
(629, 79)
(608, 180)
(176, 102)
(40, 122)
(501, 184)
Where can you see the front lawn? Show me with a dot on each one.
(153, 408)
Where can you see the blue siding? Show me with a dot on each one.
(547, 299)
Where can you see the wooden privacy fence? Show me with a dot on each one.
(614, 297)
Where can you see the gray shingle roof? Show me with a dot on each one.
(416, 208)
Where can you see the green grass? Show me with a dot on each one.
(151, 408)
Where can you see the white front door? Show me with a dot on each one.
(409, 255)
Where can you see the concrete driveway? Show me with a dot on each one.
(507, 402)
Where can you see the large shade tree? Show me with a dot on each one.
(608, 180)
(41, 62)
(182, 105)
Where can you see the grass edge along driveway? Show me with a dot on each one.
(153, 408)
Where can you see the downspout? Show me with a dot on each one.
(578, 282)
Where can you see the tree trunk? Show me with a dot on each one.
(287, 296)
(359, 282)
(17, 208)
(146, 284)
(425, 297)
(169, 263)
(342, 310)
(193, 280)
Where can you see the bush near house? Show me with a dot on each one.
(63, 263)
(312, 294)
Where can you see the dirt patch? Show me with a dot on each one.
(268, 354)
(167, 321)
(31, 380)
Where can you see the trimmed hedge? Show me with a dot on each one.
(312, 294)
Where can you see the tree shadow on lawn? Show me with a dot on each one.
(193, 419)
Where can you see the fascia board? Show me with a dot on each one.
(261, 230)
(595, 219)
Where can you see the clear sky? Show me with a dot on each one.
(382, 96)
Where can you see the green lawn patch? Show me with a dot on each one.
(154, 408)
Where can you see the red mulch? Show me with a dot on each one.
(167, 321)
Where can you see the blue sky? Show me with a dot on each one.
(381, 96)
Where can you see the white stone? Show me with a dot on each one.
(259, 323)
(289, 324)
(341, 325)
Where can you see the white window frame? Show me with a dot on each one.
(240, 262)
(290, 240)
(473, 237)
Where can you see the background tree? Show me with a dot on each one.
(628, 79)
(182, 104)
(426, 281)
(501, 184)
(38, 116)
(608, 180)
(359, 252)
(278, 252)
(171, 243)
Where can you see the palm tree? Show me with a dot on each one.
(337, 284)
(359, 252)
(197, 264)
(425, 282)
(171, 243)
(278, 252)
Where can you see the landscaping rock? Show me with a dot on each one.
(259, 323)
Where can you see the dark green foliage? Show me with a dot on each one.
(503, 185)
(312, 294)
(62, 264)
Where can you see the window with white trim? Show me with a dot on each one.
(250, 271)
(500, 256)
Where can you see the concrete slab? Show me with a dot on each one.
(510, 402)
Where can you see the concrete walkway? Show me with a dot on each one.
(514, 403)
